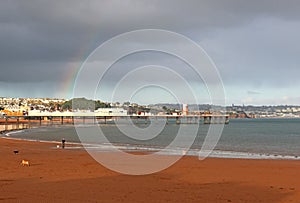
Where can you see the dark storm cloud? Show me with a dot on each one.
(251, 41)
(56, 30)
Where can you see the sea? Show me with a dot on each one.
(276, 138)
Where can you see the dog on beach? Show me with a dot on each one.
(25, 163)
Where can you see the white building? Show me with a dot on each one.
(98, 112)
(111, 112)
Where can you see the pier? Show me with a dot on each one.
(20, 122)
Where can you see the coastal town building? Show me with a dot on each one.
(25, 106)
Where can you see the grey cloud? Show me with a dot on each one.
(263, 53)
(252, 42)
(56, 30)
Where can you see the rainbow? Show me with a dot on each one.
(68, 80)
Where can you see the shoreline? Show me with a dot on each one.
(72, 175)
(222, 154)
(216, 154)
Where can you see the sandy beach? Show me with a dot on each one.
(57, 175)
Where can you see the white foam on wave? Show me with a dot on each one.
(179, 152)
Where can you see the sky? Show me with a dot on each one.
(254, 45)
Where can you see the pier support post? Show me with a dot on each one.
(18, 119)
(6, 123)
(177, 120)
(227, 120)
(207, 119)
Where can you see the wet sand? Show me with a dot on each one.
(57, 175)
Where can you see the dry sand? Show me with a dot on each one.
(57, 175)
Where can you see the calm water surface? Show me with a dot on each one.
(278, 137)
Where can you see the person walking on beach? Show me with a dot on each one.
(63, 143)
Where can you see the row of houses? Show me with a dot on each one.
(98, 112)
